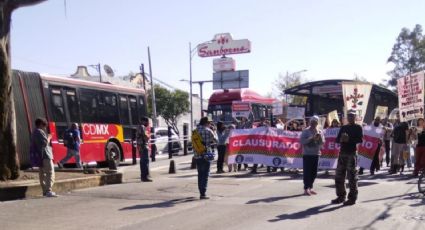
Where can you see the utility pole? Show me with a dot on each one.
(153, 90)
(142, 72)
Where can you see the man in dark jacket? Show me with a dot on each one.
(348, 137)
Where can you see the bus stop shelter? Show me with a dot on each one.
(326, 96)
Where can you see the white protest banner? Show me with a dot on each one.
(281, 148)
(411, 96)
(356, 97)
(241, 109)
(381, 111)
(367, 150)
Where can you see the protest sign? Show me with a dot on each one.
(411, 96)
(356, 97)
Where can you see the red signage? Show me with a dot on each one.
(223, 44)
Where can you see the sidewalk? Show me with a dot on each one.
(68, 179)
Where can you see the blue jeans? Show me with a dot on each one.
(203, 167)
(72, 153)
(310, 170)
(144, 163)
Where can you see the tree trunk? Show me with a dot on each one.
(9, 163)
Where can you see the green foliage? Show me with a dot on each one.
(170, 105)
(287, 81)
(408, 54)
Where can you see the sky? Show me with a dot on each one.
(331, 39)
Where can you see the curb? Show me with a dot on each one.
(34, 189)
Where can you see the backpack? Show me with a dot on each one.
(68, 139)
(197, 143)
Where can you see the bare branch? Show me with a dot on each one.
(14, 4)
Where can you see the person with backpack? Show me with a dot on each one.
(202, 138)
(72, 141)
(41, 156)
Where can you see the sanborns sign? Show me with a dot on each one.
(223, 44)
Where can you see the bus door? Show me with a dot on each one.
(64, 110)
(128, 129)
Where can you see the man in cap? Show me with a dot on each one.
(142, 144)
(348, 137)
(203, 164)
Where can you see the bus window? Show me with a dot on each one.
(88, 102)
(108, 112)
(133, 110)
(125, 115)
(72, 104)
(58, 111)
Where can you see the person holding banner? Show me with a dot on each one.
(375, 166)
(312, 140)
(348, 137)
(222, 135)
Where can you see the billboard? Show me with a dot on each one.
(231, 80)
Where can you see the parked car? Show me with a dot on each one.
(161, 134)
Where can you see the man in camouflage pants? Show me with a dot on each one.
(348, 136)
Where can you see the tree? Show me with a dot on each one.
(408, 54)
(170, 105)
(287, 81)
(9, 162)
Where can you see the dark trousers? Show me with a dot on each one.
(240, 166)
(310, 170)
(203, 167)
(346, 168)
(387, 152)
(375, 162)
(144, 163)
(220, 161)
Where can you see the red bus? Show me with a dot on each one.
(221, 101)
(107, 114)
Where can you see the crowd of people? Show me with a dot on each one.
(398, 139)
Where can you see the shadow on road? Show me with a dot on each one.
(306, 213)
(272, 199)
(360, 184)
(164, 204)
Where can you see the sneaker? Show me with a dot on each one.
(51, 194)
(147, 180)
(307, 192)
(349, 202)
(338, 200)
(312, 192)
(204, 197)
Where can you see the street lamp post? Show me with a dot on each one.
(190, 85)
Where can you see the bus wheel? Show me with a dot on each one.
(113, 155)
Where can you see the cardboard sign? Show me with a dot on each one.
(381, 111)
(411, 96)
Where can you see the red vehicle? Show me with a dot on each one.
(107, 114)
(223, 103)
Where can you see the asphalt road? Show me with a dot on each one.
(238, 201)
